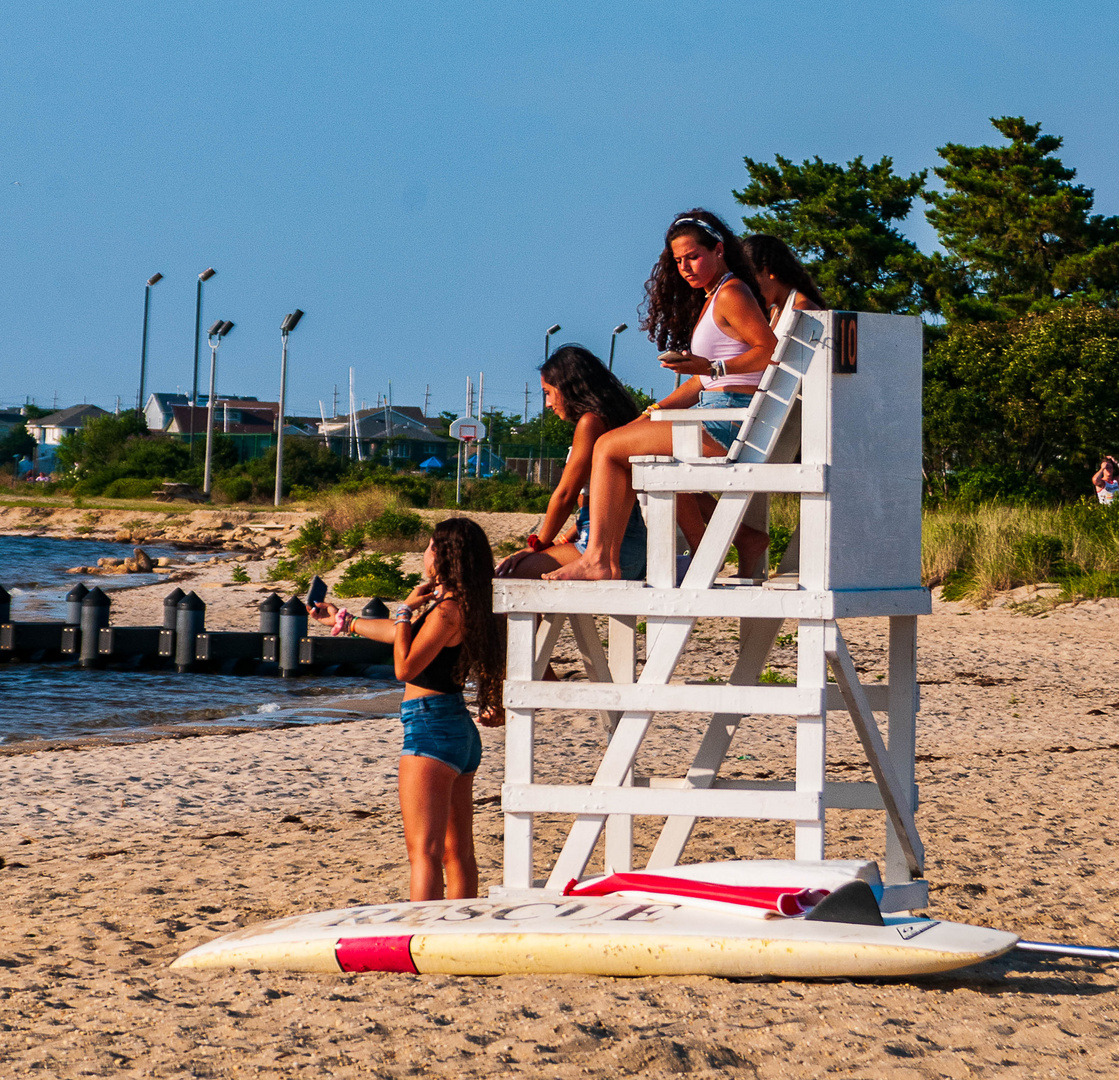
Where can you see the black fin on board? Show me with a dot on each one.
(850, 903)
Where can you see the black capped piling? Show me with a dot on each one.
(270, 613)
(95, 616)
(375, 609)
(171, 608)
(293, 628)
(190, 621)
(74, 600)
(5, 605)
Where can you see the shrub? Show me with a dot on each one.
(393, 524)
(133, 488)
(233, 489)
(376, 575)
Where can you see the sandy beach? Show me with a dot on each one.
(116, 859)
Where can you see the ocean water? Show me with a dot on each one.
(63, 701)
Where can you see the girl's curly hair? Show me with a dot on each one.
(671, 305)
(464, 564)
(586, 386)
(771, 255)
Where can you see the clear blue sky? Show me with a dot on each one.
(435, 185)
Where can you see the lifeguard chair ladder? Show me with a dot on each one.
(846, 395)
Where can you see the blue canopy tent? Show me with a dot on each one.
(431, 463)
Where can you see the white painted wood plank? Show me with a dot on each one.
(600, 598)
(675, 697)
(660, 562)
(590, 647)
(838, 794)
(893, 795)
(714, 476)
(902, 703)
(811, 737)
(656, 802)
(717, 539)
(622, 646)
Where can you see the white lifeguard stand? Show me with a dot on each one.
(845, 399)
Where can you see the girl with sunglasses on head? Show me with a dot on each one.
(702, 304)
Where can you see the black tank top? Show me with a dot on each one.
(439, 675)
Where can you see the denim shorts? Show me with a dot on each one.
(723, 431)
(634, 542)
(439, 726)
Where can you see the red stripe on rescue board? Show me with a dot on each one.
(785, 901)
(375, 954)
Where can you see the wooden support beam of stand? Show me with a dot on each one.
(894, 797)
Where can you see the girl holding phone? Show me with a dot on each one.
(444, 633)
(704, 306)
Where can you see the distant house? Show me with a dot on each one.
(160, 409)
(232, 416)
(49, 431)
(396, 436)
(10, 418)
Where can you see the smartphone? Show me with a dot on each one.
(317, 592)
(671, 357)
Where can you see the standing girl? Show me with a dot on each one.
(578, 387)
(703, 303)
(435, 651)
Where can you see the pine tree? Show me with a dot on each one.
(1018, 233)
(839, 222)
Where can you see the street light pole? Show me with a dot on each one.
(617, 330)
(290, 322)
(214, 335)
(144, 342)
(206, 274)
(554, 329)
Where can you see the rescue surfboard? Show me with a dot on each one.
(636, 928)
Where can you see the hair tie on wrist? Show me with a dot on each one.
(533, 542)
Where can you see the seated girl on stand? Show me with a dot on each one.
(702, 302)
(578, 387)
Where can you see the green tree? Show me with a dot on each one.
(840, 222)
(18, 442)
(1017, 232)
(1036, 396)
(100, 441)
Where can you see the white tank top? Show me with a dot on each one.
(710, 342)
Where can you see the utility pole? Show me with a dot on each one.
(478, 451)
(427, 397)
(335, 401)
(526, 404)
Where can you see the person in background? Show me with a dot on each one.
(1106, 480)
(455, 637)
(703, 303)
(578, 387)
(779, 274)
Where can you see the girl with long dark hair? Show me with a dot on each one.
(703, 304)
(578, 387)
(435, 651)
(780, 275)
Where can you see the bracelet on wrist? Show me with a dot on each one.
(651, 409)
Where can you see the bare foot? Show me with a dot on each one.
(751, 545)
(585, 569)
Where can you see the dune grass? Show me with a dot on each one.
(975, 553)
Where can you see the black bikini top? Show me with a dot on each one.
(439, 675)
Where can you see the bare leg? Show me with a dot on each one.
(544, 562)
(426, 788)
(458, 849)
(612, 497)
